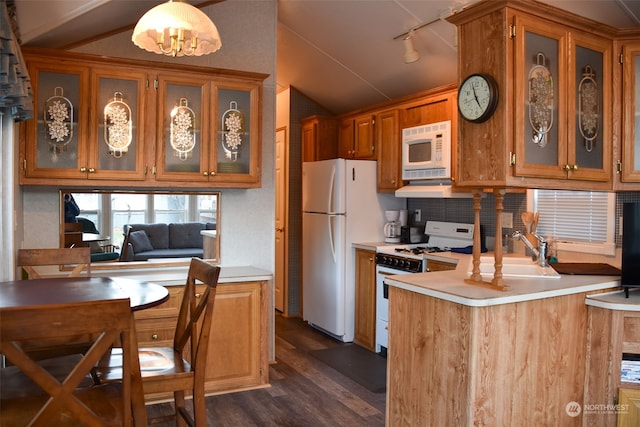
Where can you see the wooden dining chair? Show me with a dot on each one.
(182, 367)
(32, 395)
(31, 261)
(78, 260)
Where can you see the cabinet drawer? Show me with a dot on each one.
(155, 332)
(169, 308)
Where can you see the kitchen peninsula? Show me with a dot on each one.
(463, 355)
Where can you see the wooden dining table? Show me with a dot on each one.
(54, 291)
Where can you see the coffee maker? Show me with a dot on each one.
(392, 227)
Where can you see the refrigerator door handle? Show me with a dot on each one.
(332, 186)
(330, 219)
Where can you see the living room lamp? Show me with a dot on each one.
(176, 28)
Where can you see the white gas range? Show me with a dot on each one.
(413, 258)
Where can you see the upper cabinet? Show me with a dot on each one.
(158, 124)
(553, 125)
(356, 139)
(319, 138)
(75, 105)
(629, 162)
(209, 130)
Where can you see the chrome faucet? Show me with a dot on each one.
(540, 253)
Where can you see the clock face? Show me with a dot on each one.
(477, 98)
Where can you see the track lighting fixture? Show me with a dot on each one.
(410, 52)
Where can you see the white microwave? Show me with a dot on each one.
(426, 151)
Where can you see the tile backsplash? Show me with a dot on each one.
(461, 210)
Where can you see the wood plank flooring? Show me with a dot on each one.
(304, 391)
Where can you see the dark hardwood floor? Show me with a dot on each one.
(304, 391)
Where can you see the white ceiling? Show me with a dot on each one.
(341, 53)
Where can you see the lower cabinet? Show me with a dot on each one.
(614, 335)
(238, 347)
(365, 312)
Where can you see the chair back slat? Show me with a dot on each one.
(59, 401)
(196, 310)
(78, 258)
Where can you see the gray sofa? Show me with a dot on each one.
(151, 241)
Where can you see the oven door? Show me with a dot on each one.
(382, 307)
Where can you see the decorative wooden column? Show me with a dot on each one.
(476, 278)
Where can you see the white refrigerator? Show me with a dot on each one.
(340, 206)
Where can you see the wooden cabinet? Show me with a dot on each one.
(356, 138)
(119, 120)
(365, 299)
(629, 159)
(238, 349)
(389, 139)
(612, 334)
(629, 401)
(89, 123)
(319, 138)
(209, 130)
(553, 126)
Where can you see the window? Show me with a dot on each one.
(110, 211)
(578, 221)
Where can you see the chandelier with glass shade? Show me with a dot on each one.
(176, 28)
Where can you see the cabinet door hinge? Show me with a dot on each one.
(154, 169)
(512, 158)
(615, 399)
(619, 166)
(512, 31)
(621, 59)
(156, 84)
(24, 164)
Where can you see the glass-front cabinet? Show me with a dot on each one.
(563, 102)
(209, 130)
(88, 123)
(630, 159)
(58, 131)
(157, 124)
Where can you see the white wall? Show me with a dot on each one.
(248, 32)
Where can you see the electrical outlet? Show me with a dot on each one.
(620, 226)
(417, 215)
(507, 219)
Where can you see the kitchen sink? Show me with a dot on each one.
(522, 267)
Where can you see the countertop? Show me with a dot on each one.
(450, 285)
(616, 300)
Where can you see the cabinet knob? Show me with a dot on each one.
(212, 173)
(154, 337)
(197, 295)
(280, 229)
(91, 170)
(205, 173)
(567, 167)
(575, 167)
(83, 169)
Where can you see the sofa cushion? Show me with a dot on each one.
(158, 234)
(140, 241)
(168, 253)
(185, 235)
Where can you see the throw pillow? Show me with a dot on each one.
(140, 241)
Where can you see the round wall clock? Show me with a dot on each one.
(477, 97)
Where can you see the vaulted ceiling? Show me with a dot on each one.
(344, 54)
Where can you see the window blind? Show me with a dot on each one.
(575, 216)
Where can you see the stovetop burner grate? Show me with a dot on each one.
(421, 250)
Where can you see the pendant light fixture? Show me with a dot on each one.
(176, 28)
